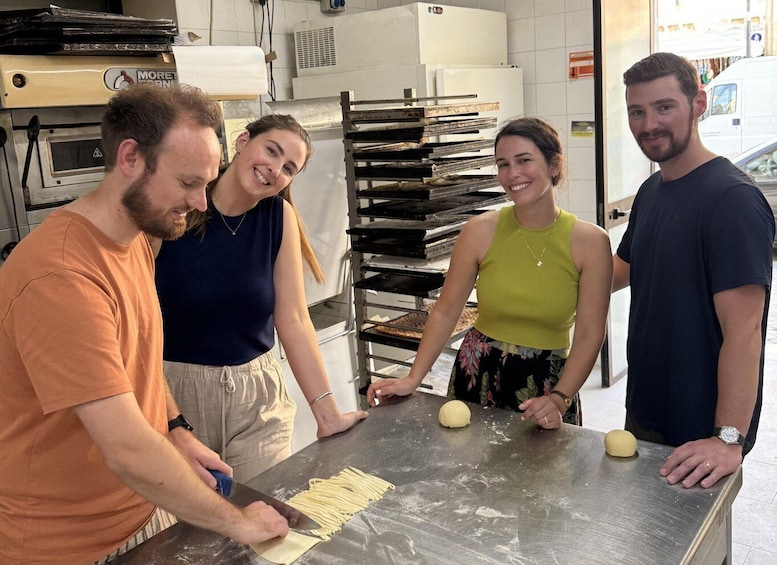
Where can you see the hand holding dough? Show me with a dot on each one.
(454, 414)
(620, 443)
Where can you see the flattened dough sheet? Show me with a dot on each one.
(287, 550)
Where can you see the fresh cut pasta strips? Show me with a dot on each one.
(331, 502)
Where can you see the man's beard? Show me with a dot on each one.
(676, 147)
(153, 221)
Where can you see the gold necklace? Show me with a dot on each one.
(542, 253)
(529, 249)
(240, 223)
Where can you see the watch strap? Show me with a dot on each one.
(567, 400)
(719, 432)
(179, 421)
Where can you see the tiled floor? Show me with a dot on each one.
(755, 508)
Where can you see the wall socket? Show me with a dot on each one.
(333, 5)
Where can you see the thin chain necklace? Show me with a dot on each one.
(529, 249)
(240, 223)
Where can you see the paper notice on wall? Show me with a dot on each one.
(582, 129)
(581, 64)
(224, 72)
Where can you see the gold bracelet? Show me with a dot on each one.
(319, 397)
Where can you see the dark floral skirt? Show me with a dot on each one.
(502, 375)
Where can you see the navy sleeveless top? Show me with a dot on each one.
(216, 292)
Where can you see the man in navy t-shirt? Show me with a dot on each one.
(698, 256)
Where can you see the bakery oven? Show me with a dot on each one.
(51, 151)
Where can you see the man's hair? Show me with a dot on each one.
(660, 65)
(544, 136)
(146, 112)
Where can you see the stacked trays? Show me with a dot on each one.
(54, 30)
(416, 174)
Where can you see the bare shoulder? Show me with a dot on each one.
(290, 217)
(482, 224)
(589, 234)
(476, 235)
(590, 244)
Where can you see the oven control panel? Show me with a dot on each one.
(36, 81)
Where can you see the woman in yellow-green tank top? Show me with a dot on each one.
(539, 270)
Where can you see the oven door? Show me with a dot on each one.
(59, 155)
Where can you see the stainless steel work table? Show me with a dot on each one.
(498, 491)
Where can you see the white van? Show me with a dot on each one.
(741, 106)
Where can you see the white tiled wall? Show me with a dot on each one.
(541, 34)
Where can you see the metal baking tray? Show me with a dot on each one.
(416, 151)
(401, 247)
(431, 189)
(388, 264)
(426, 285)
(57, 30)
(419, 132)
(410, 231)
(429, 209)
(423, 169)
(374, 335)
(401, 113)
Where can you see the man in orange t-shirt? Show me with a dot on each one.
(89, 466)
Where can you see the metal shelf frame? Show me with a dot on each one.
(410, 123)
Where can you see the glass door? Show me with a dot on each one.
(623, 34)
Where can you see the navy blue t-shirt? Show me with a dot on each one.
(709, 231)
(216, 292)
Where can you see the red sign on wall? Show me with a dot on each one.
(581, 64)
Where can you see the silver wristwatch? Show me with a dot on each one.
(729, 435)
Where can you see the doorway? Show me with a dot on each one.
(623, 34)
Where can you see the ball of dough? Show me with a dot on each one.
(620, 443)
(454, 414)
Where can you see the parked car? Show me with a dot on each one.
(761, 162)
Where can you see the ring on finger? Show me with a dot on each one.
(709, 467)
(546, 421)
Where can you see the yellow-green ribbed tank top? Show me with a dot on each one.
(522, 303)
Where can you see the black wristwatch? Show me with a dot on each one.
(179, 422)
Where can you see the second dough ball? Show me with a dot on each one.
(454, 414)
(620, 443)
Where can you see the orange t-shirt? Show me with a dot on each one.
(79, 321)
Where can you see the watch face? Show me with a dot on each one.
(729, 434)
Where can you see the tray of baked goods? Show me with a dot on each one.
(406, 330)
(430, 189)
(420, 131)
(412, 151)
(429, 209)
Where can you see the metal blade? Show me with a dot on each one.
(242, 495)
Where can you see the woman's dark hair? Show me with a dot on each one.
(544, 136)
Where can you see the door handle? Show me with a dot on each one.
(616, 213)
